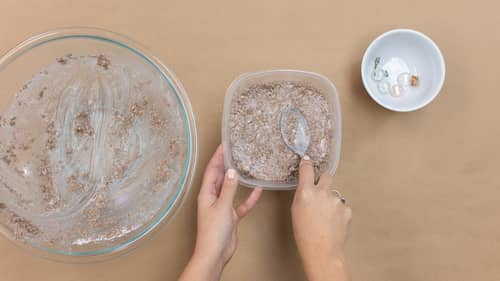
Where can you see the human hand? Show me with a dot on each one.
(320, 222)
(218, 219)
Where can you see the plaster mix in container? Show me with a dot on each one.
(258, 149)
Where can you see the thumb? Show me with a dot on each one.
(229, 187)
(306, 174)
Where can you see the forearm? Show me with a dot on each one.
(202, 268)
(330, 269)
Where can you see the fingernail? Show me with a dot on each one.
(305, 158)
(231, 174)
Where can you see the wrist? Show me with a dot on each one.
(211, 261)
(202, 267)
(326, 268)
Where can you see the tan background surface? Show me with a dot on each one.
(423, 186)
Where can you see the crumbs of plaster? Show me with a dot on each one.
(79, 145)
(258, 150)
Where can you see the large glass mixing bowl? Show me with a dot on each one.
(19, 66)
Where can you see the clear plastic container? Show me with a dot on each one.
(315, 80)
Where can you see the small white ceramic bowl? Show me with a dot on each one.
(405, 50)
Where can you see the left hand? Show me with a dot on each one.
(218, 219)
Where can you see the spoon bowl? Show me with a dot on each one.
(294, 130)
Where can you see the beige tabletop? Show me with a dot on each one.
(424, 186)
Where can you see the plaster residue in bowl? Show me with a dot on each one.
(90, 149)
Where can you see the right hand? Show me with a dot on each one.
(320, 223)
